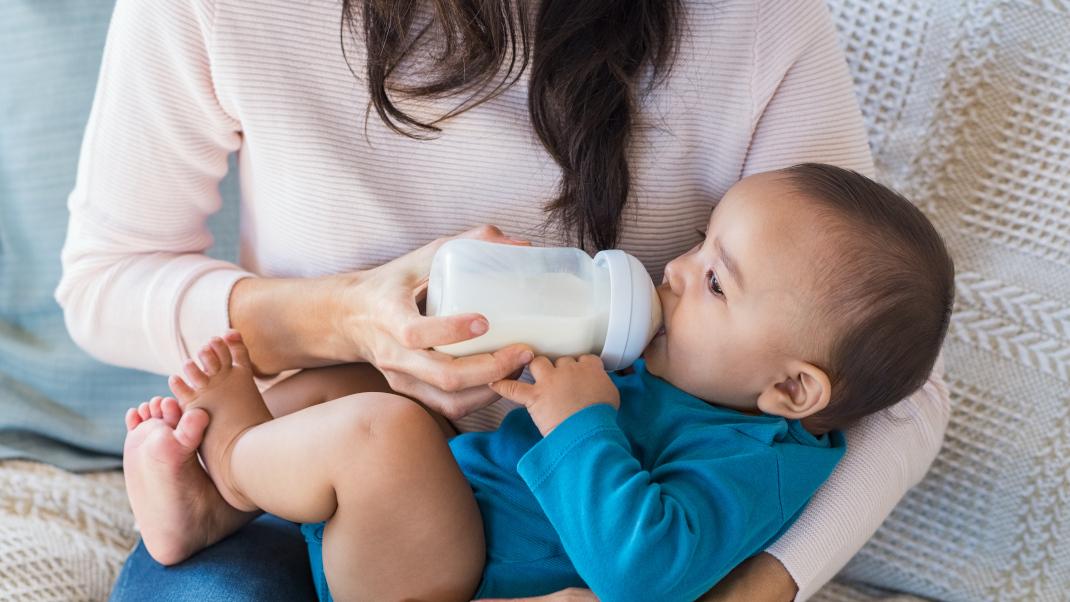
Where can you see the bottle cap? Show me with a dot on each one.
(634, 309)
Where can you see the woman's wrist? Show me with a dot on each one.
(293, 322)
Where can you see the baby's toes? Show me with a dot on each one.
(172, 412)
(194, 376)
(182, 391)
(132, 419)
(238, 349)
(221, 350)
(190, 430)
(209, 360)
(144, 411)
(154, 407)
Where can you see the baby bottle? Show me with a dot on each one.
(559, 301)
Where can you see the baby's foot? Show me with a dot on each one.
(224, 389)
(176, 506)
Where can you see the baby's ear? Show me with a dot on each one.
(803, 391)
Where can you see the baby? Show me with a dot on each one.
(816, 297)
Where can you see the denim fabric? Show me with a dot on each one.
(266, 560)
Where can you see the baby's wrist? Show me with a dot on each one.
(548, 421)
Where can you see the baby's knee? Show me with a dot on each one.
(397, 437)
(388, 417)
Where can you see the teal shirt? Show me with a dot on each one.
(656, 501)
(663, 497)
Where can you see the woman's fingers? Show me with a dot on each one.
(417, 263)
(452, 374)
(488, 232)
(451, 405)
(419, 332)
(388, 330)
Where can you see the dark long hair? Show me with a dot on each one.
(590, 61)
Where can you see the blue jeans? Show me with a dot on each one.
(266, 560)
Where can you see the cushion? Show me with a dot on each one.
(57, 404)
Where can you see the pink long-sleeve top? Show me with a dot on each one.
(756, 86)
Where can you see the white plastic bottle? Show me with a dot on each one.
(558, 300)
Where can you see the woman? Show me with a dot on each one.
(623, 124)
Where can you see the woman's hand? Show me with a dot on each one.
(379, 316)
(372, 316)
(561, 390)
(760, 578)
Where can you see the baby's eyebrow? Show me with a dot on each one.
(730, 263)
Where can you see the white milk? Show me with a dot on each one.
(553, 312)
(558, 300)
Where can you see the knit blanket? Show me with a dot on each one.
(968, 109)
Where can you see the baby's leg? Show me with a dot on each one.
(317, 385)
(177, 507)
(402, 520)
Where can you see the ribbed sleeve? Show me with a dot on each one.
(887, 454)
(153, 154)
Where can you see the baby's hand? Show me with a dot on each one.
(562, 390)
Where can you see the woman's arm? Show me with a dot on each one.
(154, 151)
(887, 454)
(806, 110)
(760, 577)
(372, 316)
(137, 289)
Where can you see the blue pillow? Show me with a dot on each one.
(57, 404)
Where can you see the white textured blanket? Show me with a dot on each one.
(968, 108)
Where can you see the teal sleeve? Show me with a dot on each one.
(668, 533)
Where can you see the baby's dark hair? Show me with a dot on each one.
(887, 294)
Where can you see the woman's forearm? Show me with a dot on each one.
(760, 578)
(292, 322)
(373, 316)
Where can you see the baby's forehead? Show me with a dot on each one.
(781, 242)
(768, 186)
(768, 206)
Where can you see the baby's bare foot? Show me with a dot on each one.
(178, 509)
(225, 389)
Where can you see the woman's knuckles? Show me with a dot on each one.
(485, 232)
(453, 382)
(409, 335)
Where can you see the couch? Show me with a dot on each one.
(967, 104)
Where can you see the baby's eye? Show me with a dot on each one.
(715, 285)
